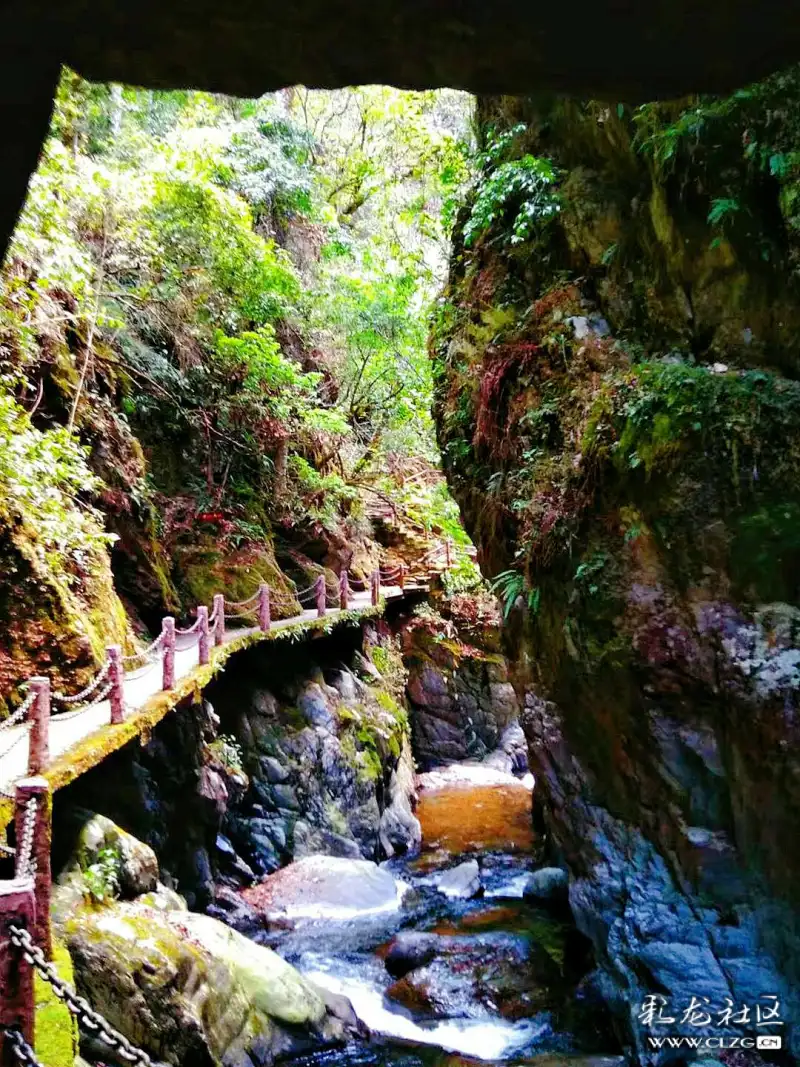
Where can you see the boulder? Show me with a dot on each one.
(511, 754)
(461, 881)
(136, 863)
(163, 899)
(411, 950)
(316, 840)
(548, 883)
(468, 976)
(274, 771)
(317, 708)
(326, 886)
(187, 989)
(400, 831)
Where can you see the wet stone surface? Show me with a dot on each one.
(442, 978)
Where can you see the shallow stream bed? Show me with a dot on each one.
(486, 978)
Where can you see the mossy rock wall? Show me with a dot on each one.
(619, 419)
(53, 624)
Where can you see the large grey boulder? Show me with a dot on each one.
(327, 886)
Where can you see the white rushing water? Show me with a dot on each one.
(479, 1038)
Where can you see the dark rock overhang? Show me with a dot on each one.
(622, 49)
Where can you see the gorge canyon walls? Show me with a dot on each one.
(618, 412)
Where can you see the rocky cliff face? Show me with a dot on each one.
(620, 421)
(324, 742)
(462, 704)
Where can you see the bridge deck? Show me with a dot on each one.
(81, 739)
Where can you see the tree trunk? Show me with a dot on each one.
(115, 112)
(281, 469)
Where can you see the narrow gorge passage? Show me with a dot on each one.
(268, 808)
(537, 810)
(462, 965)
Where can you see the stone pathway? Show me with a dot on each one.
(69, 728)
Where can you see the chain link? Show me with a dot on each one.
(79, 1006)
(26, 861)
(20, 713)
(147, 652)
(97, 699)
(243, 603)
(62, 698)
(23, 736)
(21, 1049)
(191, 630)
(241, 614)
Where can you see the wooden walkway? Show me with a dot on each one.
(79, 740)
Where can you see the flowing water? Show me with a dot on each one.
(499, 981)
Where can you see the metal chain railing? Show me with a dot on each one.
(95, 692)
(240, 614)
(22, 1051)
(243, 603)
(20, 713)
(98, 698)
(146, 653)
(76, 698)
(87, 1017)
(192, 632)
(26, 861)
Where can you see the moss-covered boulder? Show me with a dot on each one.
(134, 863)
(184, 987)
(189, 990)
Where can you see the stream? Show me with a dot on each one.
(492, 978)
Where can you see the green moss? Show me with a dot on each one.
(202, 570)
(56, 1041)
(293, 717)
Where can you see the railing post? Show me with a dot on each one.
(39, 740)
(264, 615)
(344, 590)
(203, 650)
(17, 1004)
(321, 595)
(218, 611)
(168, 652)
(401, 578)
(375, 587)
(447, 554)
(116, 677)
(39, 789)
